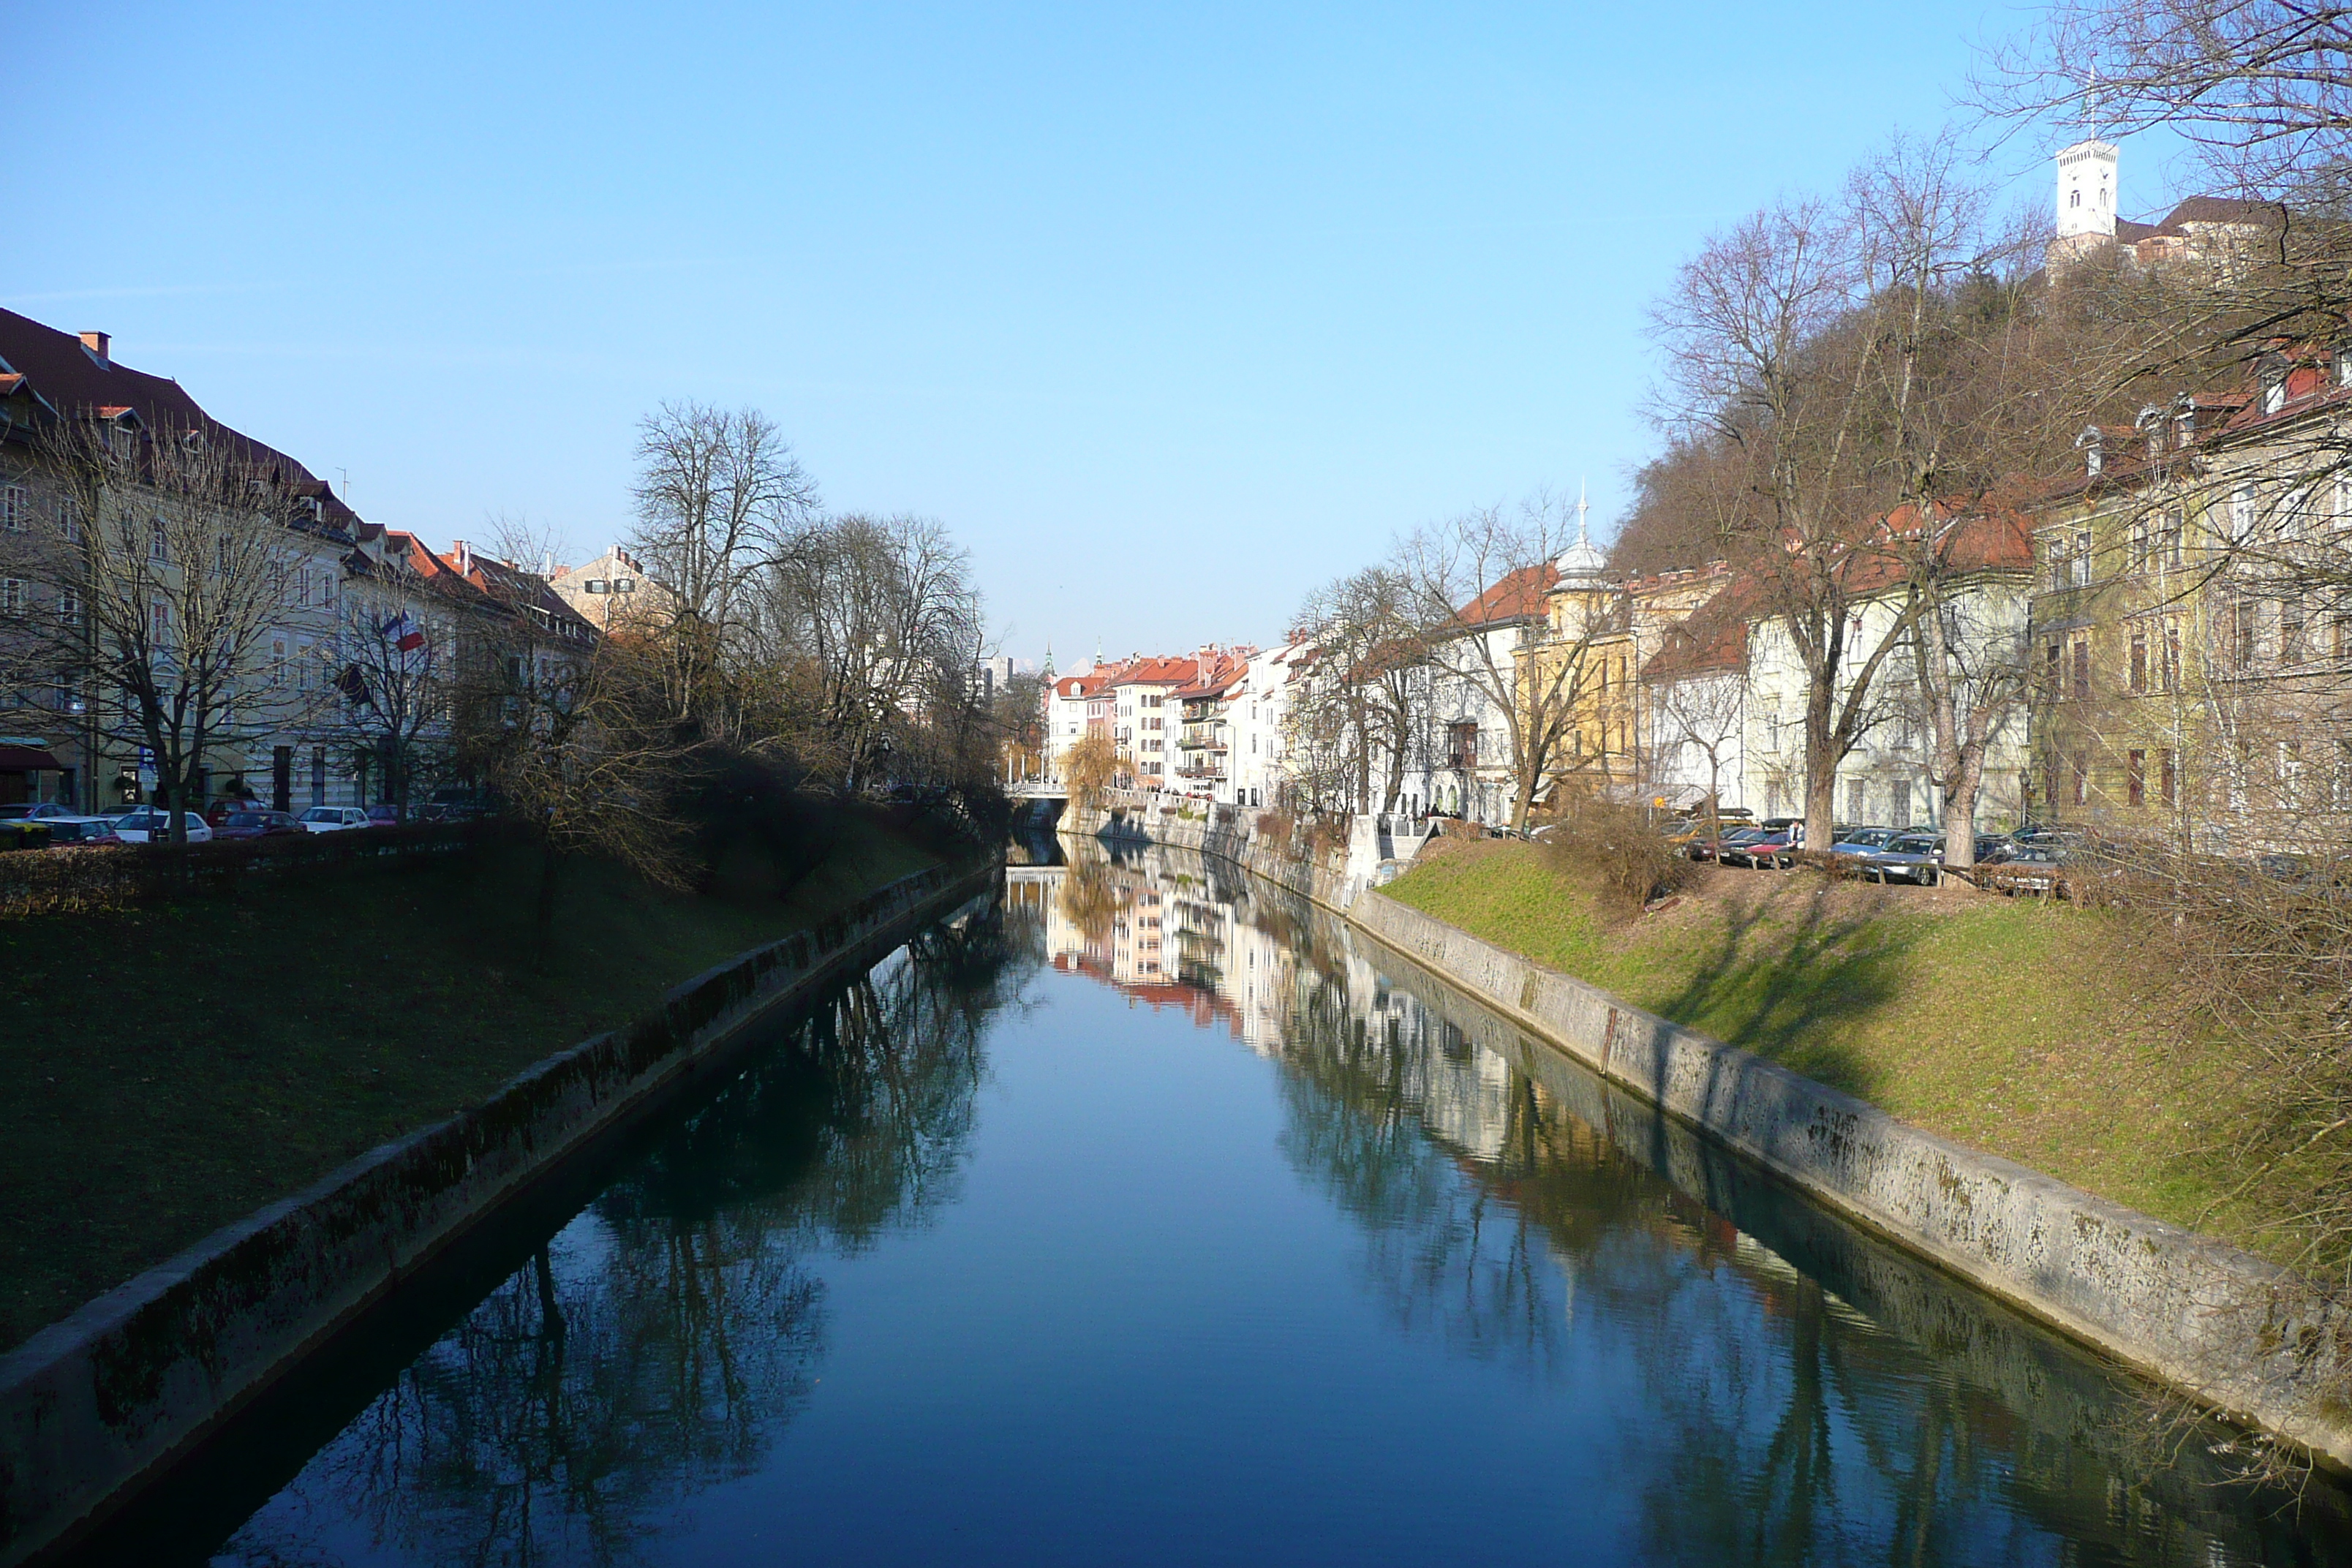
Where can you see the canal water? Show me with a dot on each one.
(1140, 1217)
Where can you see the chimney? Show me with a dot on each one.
(94, 344)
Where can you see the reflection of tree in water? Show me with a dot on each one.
(656, 1345)
(1767, 1421)
(1451, 1255)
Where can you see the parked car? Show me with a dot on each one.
(80, 831)
(22, 833)
(333, 818)
(1765, 852)
(384, 816)
(153, 824)
(1860, 840)
(256, 824)
(1706, 848)
(2024, 868)
(1908, 857)
(37, 811)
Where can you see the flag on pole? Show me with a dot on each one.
(404, 633)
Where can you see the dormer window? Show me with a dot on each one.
(2093, 444)
(2273, 384)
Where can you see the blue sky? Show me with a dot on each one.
(1168, 313)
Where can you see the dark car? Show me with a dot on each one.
(81, 831)
(256, 824)
(384, 816)
(2015, 869)
(1704, 848)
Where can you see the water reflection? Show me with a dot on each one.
(1797, 1392)
(1590, 1335)
(662, 1339)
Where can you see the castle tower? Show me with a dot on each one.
(2086, 203)
(2086, 191)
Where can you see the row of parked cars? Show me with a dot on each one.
(1879, 854)
(58, 826)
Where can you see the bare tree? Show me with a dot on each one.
(172, 567)
(867, 611)
(396, 660)
(1477, 587)
(719, 495)
(1368, 711)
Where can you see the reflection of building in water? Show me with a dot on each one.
(1157, 927)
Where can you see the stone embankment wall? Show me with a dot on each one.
(91, 1405)
(2249, 1339)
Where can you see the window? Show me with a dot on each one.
(625, 584)
(2136, 778)
(2139, 659)
(2053, 683)
(597, 585)
(2061, 570)
(2074, 198)
(302, 588)
(68, 606)
(1461, 744)
(2242, 637)
(1902, 814)
(15, 506)
(2082, 777)
(12, 596)
(2171, 656)
(2273, 392)
(2167, 777)
(157, 547)
(2241, 514)
(2290, 626)
(277, 661)
(2082, 558)
(2082, 667)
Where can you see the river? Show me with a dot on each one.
(1141, 1217)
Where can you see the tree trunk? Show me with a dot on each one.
(1821, 796)
(1960, 798)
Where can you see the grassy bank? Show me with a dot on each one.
(166, 1071)
(2030, 1030)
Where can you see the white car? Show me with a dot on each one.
(333, 818)
(153, 824)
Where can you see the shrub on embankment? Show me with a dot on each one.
(167, 1069)
(2047, 1034)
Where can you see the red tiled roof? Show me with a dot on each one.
(1156, 672)
(1519, 596)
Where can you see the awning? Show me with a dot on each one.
(25, 759)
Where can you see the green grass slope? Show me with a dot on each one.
(166, 1071)
(2026, 1029)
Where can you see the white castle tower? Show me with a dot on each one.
(2086, 200)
